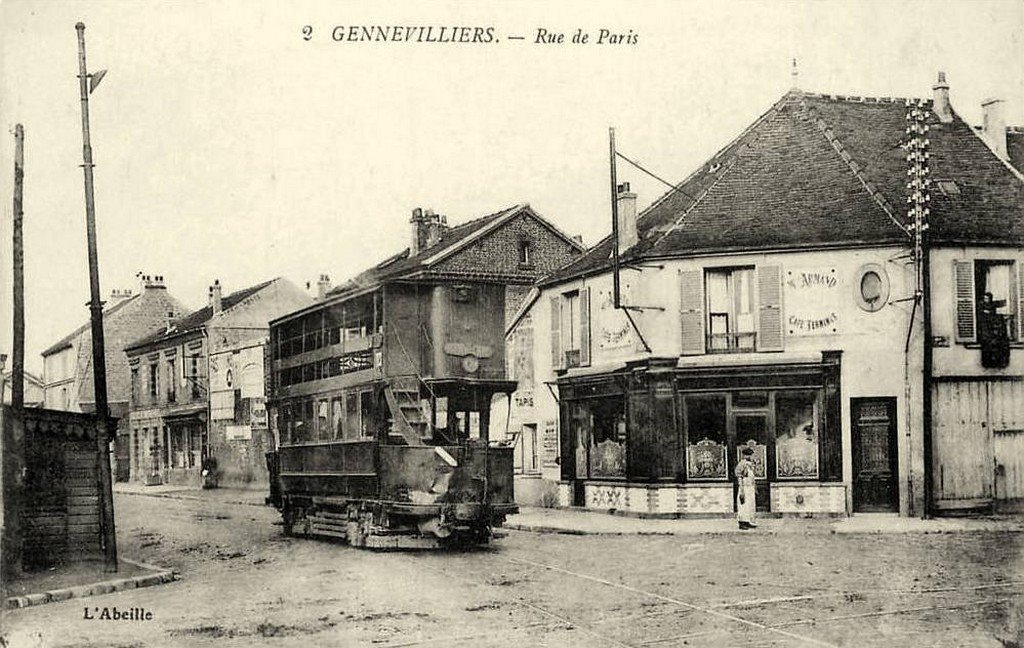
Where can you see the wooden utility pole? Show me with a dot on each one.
(18, 361)
(99, 363)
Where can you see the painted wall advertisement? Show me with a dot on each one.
(812, 297)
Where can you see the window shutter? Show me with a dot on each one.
(585, 326)
(557, 357)
(691, 311)
(1018, 288)
(769, 304)
(963, 285)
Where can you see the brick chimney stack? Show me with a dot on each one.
(626, 200)
(215, 297)
(940, 100)
(323, 286)
(993, 126)
(428, 229)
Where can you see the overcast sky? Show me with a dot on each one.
(229, 147)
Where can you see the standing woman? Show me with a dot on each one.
(745, 491)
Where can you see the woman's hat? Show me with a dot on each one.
(748, 451)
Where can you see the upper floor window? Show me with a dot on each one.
(989, 306)
(135, 384)
(193, 377)
(172, 382)
(730, 309)
(154, 373)
(734, 309)
(570, 329)
(525, 253)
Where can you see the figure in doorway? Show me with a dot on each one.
(745, 491)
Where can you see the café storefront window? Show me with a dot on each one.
(597, 424)
(781, 426)
(796, 435)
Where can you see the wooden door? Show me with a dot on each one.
(875, 475)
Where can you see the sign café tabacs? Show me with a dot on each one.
(810, 296)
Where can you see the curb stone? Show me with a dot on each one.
(161, 576)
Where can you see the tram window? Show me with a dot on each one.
(474, 425)
(304, 432)
(351, 415)
(366, 412)
(338, 416)
(323, 422)
(460, 424)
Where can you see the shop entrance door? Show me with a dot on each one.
(752, 431)
(875, 476)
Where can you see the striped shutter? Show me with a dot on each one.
(1018, 287)
(557, 357)
(769, 304)
(691, 312)
(585, 326)
(963, 286)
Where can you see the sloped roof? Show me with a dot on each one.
(402, 264)
(66, 341)
(825, 171)
(197, 319)
(1015, 146)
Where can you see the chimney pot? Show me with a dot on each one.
(993, 126)
(215, 297)
(323, 286)
(940, 100)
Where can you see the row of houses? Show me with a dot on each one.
(770, 300)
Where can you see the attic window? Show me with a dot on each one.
(714, 167)
(948, 187)
(525, 253)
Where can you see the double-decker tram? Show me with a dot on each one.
(381, 405)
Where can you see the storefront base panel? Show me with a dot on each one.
(808, 498)
(697, 500)
(706, 499)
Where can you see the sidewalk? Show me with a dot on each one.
(244, 496)
(572, 521)
(581, 522)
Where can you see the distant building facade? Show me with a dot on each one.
(33, 389)
(127, 316)
(197, 389)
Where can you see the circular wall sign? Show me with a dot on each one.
(872, 287)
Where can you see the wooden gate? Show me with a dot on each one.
(979, 442)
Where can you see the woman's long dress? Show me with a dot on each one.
(746, 492)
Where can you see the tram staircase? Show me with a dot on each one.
(409, 421)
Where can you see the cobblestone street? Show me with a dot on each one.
(797, 583)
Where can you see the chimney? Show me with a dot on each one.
(626, 201)
(418, 236)
(323, 286)
(993, 127)
(118, 295)
(436, 227)
(215, 303)
(147, 282)
(940, 100)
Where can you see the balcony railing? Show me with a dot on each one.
(732, 342)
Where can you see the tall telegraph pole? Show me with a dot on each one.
(85, 80)
(18, 278)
